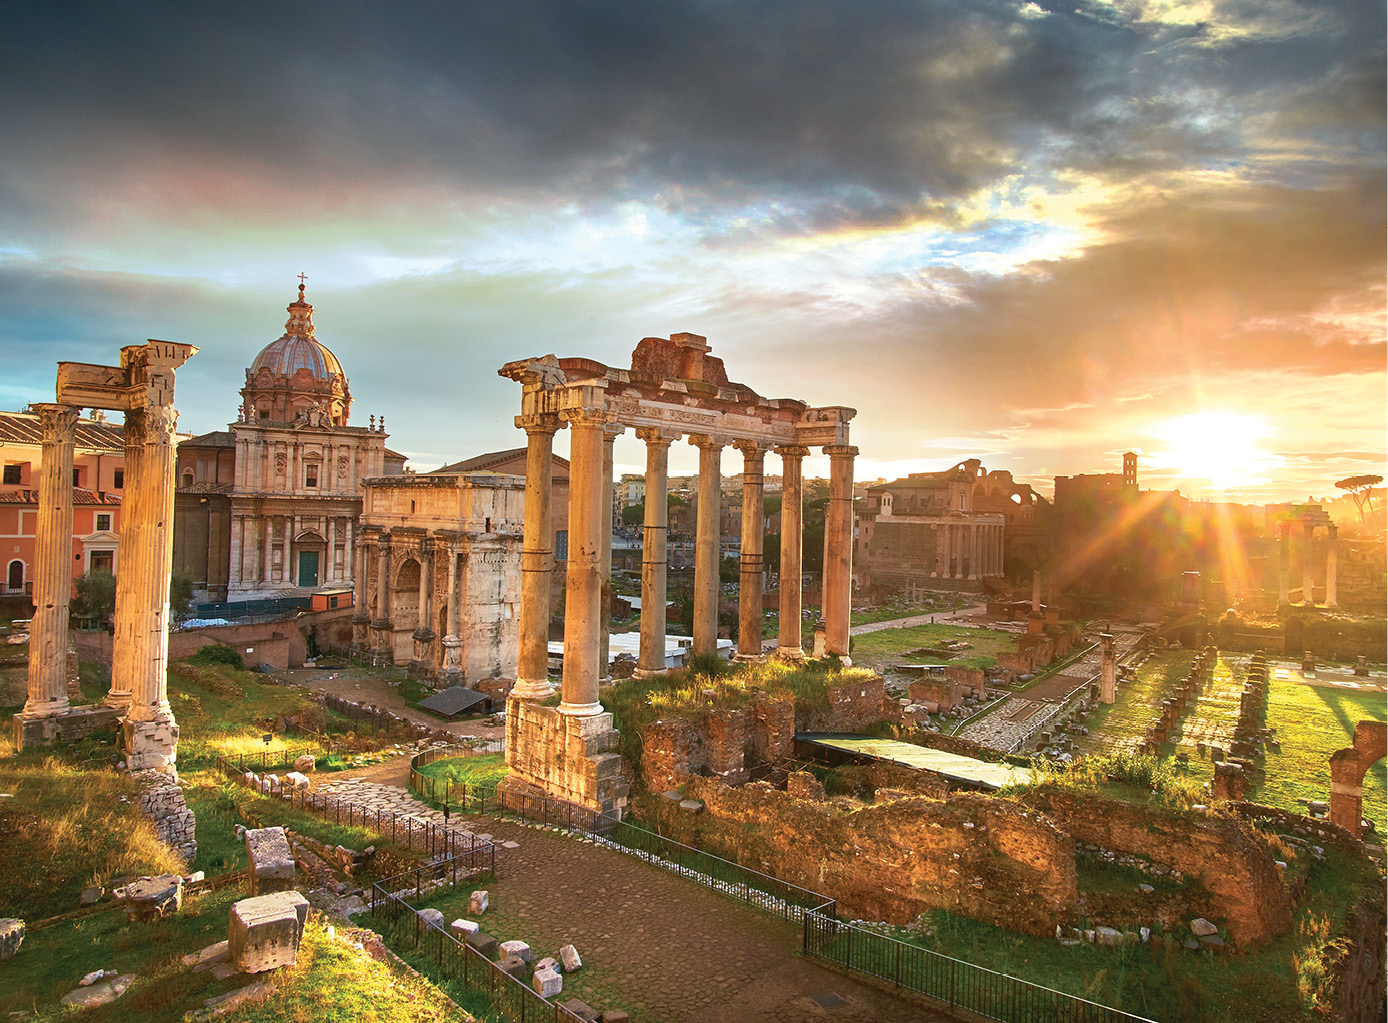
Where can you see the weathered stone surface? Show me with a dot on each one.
(11, 935)
(209, 957)
(515, 966)
(222, 1004)
(461, 927)
(548, 963)
(568, 955)
(305, 763)
(478, 902)
(615, 1016)
(299, 781)
(547, 983)
(432, 917)
(91, 896)
(153, 898)
(1107, 936)
(581, 1009)
(482, 942)
(1201, 927)
(270, 861)
(102, 993)
(264, 931)
(516, 948)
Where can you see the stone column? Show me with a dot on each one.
(975, 552)
(452, 641)
(1284, 563)
(706, 544)
(788, 642)
(1331, 553)
(142, 624)
(610, 432)
(123, 669)
(653, 552)
(361, 617)
(537, 559)
(838, 555)
(52, 565)
(1308, 575)
(749, 592)
(424, 619)
(382, 619)
(582, 605)
(1108, 677)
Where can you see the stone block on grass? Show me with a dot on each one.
(477, 903)
(153, 898)
(515, 966)
(581, 1009)
(549, 963)
(516, 948)
(481, 941)
(462, 928)
(615, 1016)
(270, 861)
(568, 955)
(11, 935)
(547, 983)
(1200, 927)
(263, 932)
(432, 917)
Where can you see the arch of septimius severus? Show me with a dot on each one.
(142, 387)
(673, 389)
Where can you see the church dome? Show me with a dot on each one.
(298, 348)
(276, 388)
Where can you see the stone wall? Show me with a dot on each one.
(1222, 853)
(853, 705)
(173, 821)
(985, 858)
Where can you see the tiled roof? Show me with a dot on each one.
(480, 463)
(26, 428)
(79, 496)
(207, 488)
(215, 439)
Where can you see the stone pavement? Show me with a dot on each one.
(958, 617)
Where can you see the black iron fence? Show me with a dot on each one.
(471, 798)
(511, 999)
(269, 606)
(952, 981)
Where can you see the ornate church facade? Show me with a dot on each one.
(269, 506)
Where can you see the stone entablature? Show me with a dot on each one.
(439, 574)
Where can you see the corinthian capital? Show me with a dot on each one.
(584, 416)
(538, 422)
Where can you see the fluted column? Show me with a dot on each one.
(610, 432)
(1284, 564)
(653, 552)
(706, 545)
(788, 642)
(1331, 555)
(142, 625)
(1308, 575)
(582, 605)
(452, 641)
(838, 556)
(123, 669)
(537, 558)
(749, 593)
(52, 565)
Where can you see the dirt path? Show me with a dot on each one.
(963, 616)
(665, 949)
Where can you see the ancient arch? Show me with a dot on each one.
(404, 603)
(1347, 768)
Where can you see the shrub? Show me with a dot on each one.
(214, 654)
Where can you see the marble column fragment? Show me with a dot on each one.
(838, 559)
(611, 431)
(1284, 564)
(582, 604)
(48, 634)
(706, 545)
(749, 593)
(537, 558)
(788, 642)
(1331, 568)
(653, 552)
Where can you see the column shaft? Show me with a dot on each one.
(749, 593)
(788, 642)
(1331, 555)
(537, 559)
(1308, 575)
(452, 642)
(653, 553)
(47, 695)
(706, 545)
(838, 559)
(610, 433)
(123, 669)
(1284, 564)
(582, 605)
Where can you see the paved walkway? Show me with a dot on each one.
(663, 948)
(963, 616)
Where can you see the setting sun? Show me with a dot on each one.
(1221, 449)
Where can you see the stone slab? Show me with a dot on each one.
(482, 942)
(153, 898)
(516, 948)
(270, 861)
(568, 955)
(547, 983)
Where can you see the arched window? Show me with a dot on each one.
(14, 578)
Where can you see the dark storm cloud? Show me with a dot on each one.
(852, 110)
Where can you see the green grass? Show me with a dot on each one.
(222, 710)
(485, 769)
(886, 647)
(1313, 722)
(1121, 725)
(937, 603)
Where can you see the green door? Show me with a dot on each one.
(308, 568)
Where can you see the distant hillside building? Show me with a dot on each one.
(269, 506)
(98, 479)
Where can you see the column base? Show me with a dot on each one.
(790, 653)
(152, 744)
(650, 672)
(532, 689)
(45, 708)
(118, 701)
(580, 710)
(555, 759)
(742, 658)
(78, 723)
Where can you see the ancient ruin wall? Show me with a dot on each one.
(1220, 852)
(984, 858)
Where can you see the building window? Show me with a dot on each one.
(76, 477)
(265, 413)
(188, 478)
(119, 482)
(103, 522)
(103, 561)
(561, 545)
(311, 476)
(12, 474)
(14, 579)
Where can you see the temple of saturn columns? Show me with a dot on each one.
(1310, 517)
(673, 389)
(142, 387)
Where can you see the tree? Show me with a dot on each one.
(180, 595)
(1361, 488)
(96, 596)
(633, 514)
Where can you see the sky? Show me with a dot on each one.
(1038, 234)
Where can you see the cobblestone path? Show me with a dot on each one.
(663, 948)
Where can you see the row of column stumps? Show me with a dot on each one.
(594, 427)
(142, 387)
